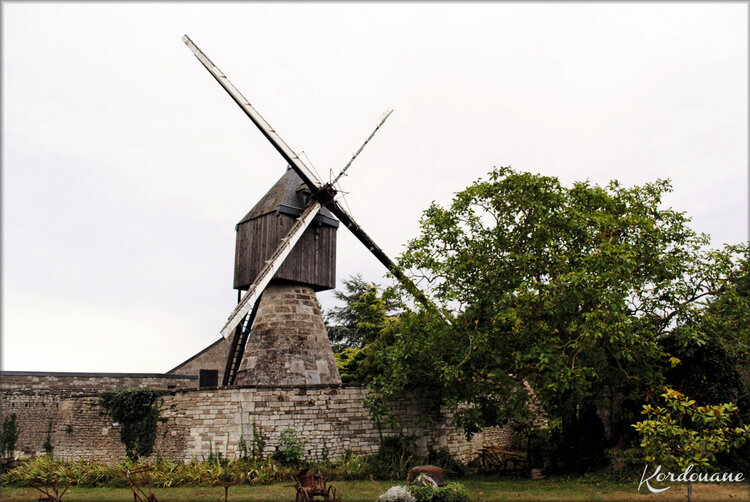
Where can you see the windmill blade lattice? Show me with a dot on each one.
(321, 195)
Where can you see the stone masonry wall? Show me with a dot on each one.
(198, 421)
(75, 426)
(327, 416)
(92, 382)
(213, 357)
(498, 437)
(288, 344)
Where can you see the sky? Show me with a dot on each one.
(125, 166)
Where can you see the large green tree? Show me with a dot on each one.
(360, 317)
(714, 362)
(569, 289)
(355, 328)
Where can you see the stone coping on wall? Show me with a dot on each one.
(186, 390)
(286, 387)
(268, 387)
(97, 375)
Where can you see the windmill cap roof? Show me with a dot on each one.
(289, 195)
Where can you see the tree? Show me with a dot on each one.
(714, 361)
(567, 289)
(682, 434)
(358, 332)
(362, 316)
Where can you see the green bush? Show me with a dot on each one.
(291, 445)
(350, 467)
(9, 436)
(258, 442)
(452, 492)
(165, 474)
(395, 456)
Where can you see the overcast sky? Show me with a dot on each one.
(126, 166)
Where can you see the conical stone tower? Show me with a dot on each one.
(288, 344)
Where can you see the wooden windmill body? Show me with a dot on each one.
(288, 343)
(286, 250)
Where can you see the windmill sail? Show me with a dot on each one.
(323, 194)
(383, 258)
(292, 158)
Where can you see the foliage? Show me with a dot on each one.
(569, 290)
(349, 467)
(359, 329)
(48, 475)
(9, 436)
(360, 319)
(393, 460)
(162, 474)
(708, 374)
(215, 457)
(242, 447)
(351, 361)
(681, 433)
(48, 440)
(395, 456)
(258, 443)
(291, 445)
(713, 363)
(724, 319)
(452, 492)
(137, 412)
(165, 474)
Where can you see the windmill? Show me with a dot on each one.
(263, 245)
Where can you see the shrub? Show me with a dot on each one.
(258, 443)
(50, 476)
(291, 445)
(682, 433)
(9, 436)
(394, 458)
(350, 467)
(452, 492)
(242, 447)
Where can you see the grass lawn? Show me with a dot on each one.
(481, 489)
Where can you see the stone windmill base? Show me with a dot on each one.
(289, 343)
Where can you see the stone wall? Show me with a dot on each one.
(198, 421)
(92, 382)
(213, 357)
(328, 416)
(74, 425)
(498, 437)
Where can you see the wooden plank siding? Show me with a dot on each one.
(311, 262)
